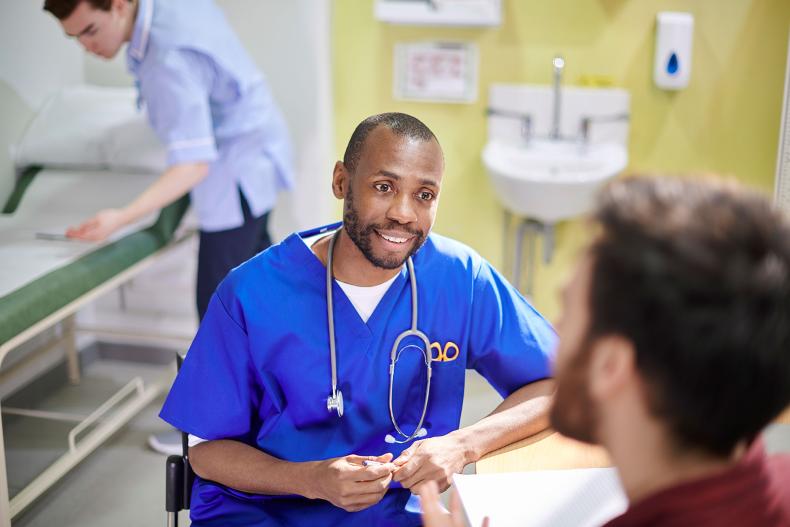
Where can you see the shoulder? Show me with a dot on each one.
(264, 267)
(779, 467)
(447, 255)
(163, 59)
(272, 273)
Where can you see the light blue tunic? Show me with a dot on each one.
(259, 371)
(208, 102)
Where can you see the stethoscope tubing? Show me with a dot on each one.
(335, 401)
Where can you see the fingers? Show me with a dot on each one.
(381, 469)
(456, 512)
(412, 473)
(89, 230)
(363, 486)
(363, 501)
(432, 513)
(356, 495)
(415, 483)
(375, 472)
(377, 486)
(406, 470)
(439, 477)
(360, 460)
(455, 503)
(407, 454)
(384, 458)
(79, 231)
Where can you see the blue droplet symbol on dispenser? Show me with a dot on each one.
(672, 64)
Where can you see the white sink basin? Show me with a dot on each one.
(551, 180)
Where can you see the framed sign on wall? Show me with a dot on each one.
(436, 72)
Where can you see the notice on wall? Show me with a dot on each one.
(436, 72)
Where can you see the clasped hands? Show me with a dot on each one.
(348, 483)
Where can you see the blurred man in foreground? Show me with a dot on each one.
(675, 352)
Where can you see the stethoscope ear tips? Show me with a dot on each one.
(389, 438)
(335, 403)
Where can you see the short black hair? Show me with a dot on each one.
(63, 9)
(696, 274)
(401, 124)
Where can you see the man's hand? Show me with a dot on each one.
(346, 483)
(433, 515)
(99, 227)
(434, 459)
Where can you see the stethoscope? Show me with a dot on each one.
(335, 401)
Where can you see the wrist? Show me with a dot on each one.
(308, 479)
(125, 216)
(469, 445)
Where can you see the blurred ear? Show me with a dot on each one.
(612, 366)
(340, 180)
(120, 6)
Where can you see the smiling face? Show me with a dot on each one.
(390, 199)
(101, 32)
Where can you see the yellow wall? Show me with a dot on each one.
(727, 120)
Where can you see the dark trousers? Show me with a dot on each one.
(221, 251)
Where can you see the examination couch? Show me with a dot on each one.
(87, 149)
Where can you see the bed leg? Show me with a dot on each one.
(70, 343)
(122, 296)
(5, 505)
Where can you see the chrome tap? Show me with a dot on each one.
(587, 121)
(525, 118)
(559, 65)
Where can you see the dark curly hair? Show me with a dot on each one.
(696, 273)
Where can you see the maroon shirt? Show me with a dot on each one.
(755, 492)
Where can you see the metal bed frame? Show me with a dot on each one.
(91, 430)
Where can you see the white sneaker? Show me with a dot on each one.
(168, 443)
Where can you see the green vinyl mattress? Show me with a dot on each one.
(33, 301)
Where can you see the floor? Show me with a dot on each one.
(121, 483)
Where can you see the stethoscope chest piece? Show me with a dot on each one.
(335, 403)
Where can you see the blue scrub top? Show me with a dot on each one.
(208, 102)
(258, 370)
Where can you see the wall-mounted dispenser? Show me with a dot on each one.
(674, 37)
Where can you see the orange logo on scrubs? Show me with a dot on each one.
(449, 353)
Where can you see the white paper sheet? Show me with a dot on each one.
(547, 498)
(57, 199)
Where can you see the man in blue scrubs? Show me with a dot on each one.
(253, 390)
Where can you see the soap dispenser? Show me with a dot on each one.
(674, 37)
